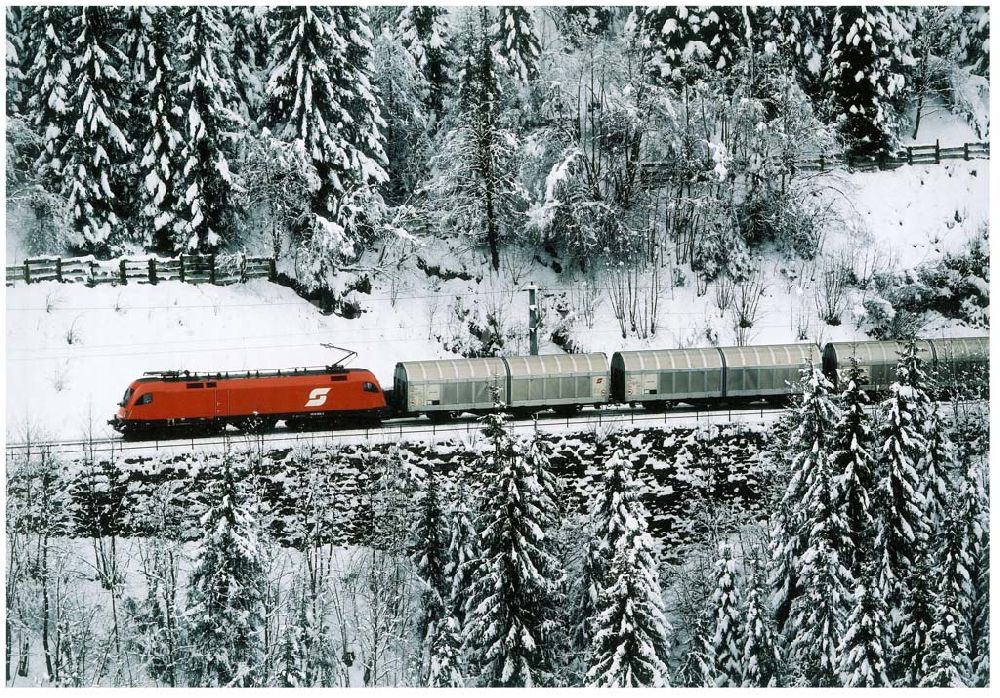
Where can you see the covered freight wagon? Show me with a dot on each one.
(951, 359)
(437, 388)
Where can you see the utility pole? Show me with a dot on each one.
(533, 320)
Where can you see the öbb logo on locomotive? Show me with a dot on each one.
(334, 396)
(317, 397)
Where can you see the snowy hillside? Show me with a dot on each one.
(79, 347)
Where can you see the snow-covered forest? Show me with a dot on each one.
(838, 546)
(330, 137)
(412, 170)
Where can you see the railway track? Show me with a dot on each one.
(394, 430)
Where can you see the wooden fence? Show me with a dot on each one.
(658, 173)
(220, 270)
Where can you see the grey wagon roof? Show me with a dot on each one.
(557, 364)
(453, 369)
(671, 359)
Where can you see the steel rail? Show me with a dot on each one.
(397, 430)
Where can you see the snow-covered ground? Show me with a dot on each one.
(72, 350)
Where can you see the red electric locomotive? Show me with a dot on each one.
(253, 400)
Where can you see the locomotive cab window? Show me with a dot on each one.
(145, 399)
(125, 398)
(369, 387)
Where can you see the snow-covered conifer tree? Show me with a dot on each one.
(809, 451)
(946, 664)
(853, 466)
(424, 32)
(445, 669)
(980, 642)
(901, 522)
(161, 164)
(48, 85)
(505, 629)
(15, 59)
(936, 466)
(816, 625)
(250, 48)
(629, 643)
(320, 93)
(671, 37)
(224, 604)
(911, 633)
(430, 559)
(725, 653)
(863, 650)
(206, 97)
(94, 152)
(861, 80)
(516, 45)
(725, 31)
(761, 657)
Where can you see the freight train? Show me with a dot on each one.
(334, 396)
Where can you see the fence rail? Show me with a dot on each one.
(220, 270)
(659, 172)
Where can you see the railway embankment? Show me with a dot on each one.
(340, 492)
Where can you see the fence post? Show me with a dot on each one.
(59, 269)
(211, 269)
(965, 151)
(152, 270)
(182, 268)
(909, 155)
(121, 265)
(272, 269)
(822, 162)
(937, 151)
(27, 272)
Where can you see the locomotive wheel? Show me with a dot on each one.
(256, 425)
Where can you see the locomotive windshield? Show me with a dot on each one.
(128, 394)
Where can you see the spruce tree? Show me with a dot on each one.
(206, 97)
(445, 670)
(901, 523)
(430, 559)
(863, 650)
(724, 31)
(760, 656)
(936, 466)
(980, 642)
(861, 80)
(95, 151)
(516, 45)
(224, 604)
(250, 53)
(809, 449)
(505, 629)
(670, 37)
(321, 95)
(816, 626)
(630, 633)
(854, 467)
(48, 85)
(725, 652)
(946, 663)
(161, 164)
(15, 59)
(911, 634)
(424, 32)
